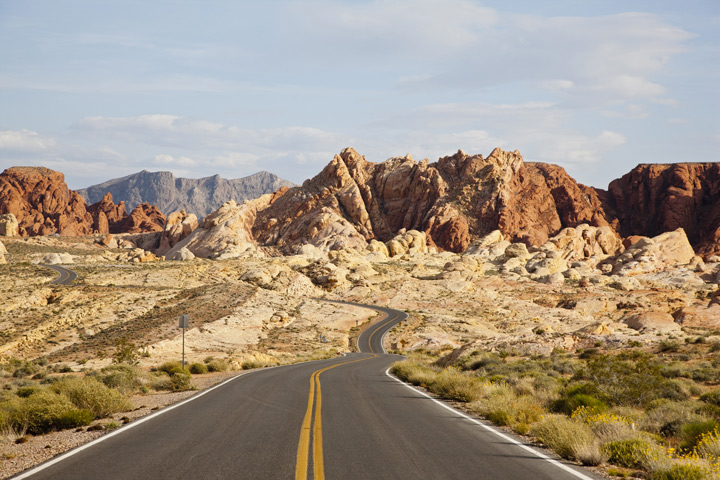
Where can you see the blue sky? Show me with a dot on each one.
(102, 89)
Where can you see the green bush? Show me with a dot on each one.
(712, 397)
(90, 394)
(681, 472)
(692, 433)
(217, 365)
(198, 368)
(568, 405)
(180, 381)
(171, 368)
(122, 377)
(44, 411)
(627, 453)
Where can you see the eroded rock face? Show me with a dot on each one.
(225, 233)
(656, 198)
(145, 218)
(455, 201)
(42, 204)
(178, 226)
(107, 216)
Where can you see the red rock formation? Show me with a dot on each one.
(144, 218)
(42, 202)
(455, 200)
(107, 216)
(656, 198)
(43, 205)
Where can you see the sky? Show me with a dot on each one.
(100, 89)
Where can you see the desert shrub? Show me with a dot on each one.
(122, 377)
(180, 381)
(256, 360)
(518, 412)
(666, 417)
(567, 437)
(569, 404)
(198, 368)
(26, 391)
(217, 365)
(607, 427)
(708, 445)
(24, 368)
(413, 372)
(624, 382)
(455, 385)
(681, 472)
(44, 411)
(90, 394)
(693, 432)
(126, 352)
(627, 453)
(712, 397)
(171, 368)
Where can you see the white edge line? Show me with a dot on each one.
(144, 419)
(493, 430)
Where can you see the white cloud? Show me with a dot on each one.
(24, 140)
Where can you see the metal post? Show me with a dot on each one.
(183, 356)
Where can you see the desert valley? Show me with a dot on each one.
(496, 261)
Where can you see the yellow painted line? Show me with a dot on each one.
(301, 462)
(389, 319)
(318, 459)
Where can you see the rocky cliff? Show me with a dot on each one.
(39, 202)
(198, 196)
(454, 201)
(656, 198)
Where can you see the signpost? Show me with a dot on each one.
(183, 322)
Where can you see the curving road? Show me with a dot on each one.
(65, 276)
(342, 418)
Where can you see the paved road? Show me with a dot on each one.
(342, 418)
(65, 276)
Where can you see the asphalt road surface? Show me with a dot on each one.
(65, 276)
(342, 418)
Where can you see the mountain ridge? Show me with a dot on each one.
(169, 193)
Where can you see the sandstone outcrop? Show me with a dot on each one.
(144, 218)
(647, 255)
(40, 203)
(3, 251)
(178, 226)
(107, 216)
(656, 198)
(8, 225)
(455, 201)
(225, 233)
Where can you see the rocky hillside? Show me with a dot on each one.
(454, 201)
(656, 198)
(460, 199)
(199, 196)
(36, 201)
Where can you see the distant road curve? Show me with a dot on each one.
(65, 276)
(371, 340)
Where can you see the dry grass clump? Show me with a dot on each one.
(257, 360)
(569, 438)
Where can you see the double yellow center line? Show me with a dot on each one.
(308, 426)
